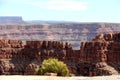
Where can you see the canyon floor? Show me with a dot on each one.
(18, 77)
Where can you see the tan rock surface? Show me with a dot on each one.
(58, 78)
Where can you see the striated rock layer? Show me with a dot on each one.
(101, 56)
(98, 57)
(73, 33)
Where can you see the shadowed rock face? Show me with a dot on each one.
(98, 57)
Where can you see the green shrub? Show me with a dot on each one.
(53, 66)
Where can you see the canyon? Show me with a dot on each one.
(88, 49)
(74, 33)
(97, 57)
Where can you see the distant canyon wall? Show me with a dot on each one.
(73, 33)
(11, 19)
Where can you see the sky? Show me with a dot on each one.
(63, 10)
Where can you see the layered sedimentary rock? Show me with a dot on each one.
(11, 58)
(101, 56)
(16, 58)
(73, 33)
(98, 57)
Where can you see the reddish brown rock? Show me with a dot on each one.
(98, 57)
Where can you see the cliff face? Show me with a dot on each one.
(73, 33)
(10, 19)
(16, 58)
(101, 55)
(98, 57)
(11, 58)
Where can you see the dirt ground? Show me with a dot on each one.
(17, 77)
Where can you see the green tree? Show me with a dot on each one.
(53, 66)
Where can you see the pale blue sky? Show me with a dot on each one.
(66, 10)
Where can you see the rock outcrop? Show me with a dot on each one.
(101, 56)
(16, 58)
(97, 57)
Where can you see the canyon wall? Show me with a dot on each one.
(73, 33)
(11, 19)
(16, 58)
(101, 55)
(97, 57)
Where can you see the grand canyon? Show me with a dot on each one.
(88, 49)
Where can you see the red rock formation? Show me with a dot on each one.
(104, 49)
(12, 52)
(98, 57)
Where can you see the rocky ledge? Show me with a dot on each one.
(95, 58)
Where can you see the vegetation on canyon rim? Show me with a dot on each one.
(53, 66)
